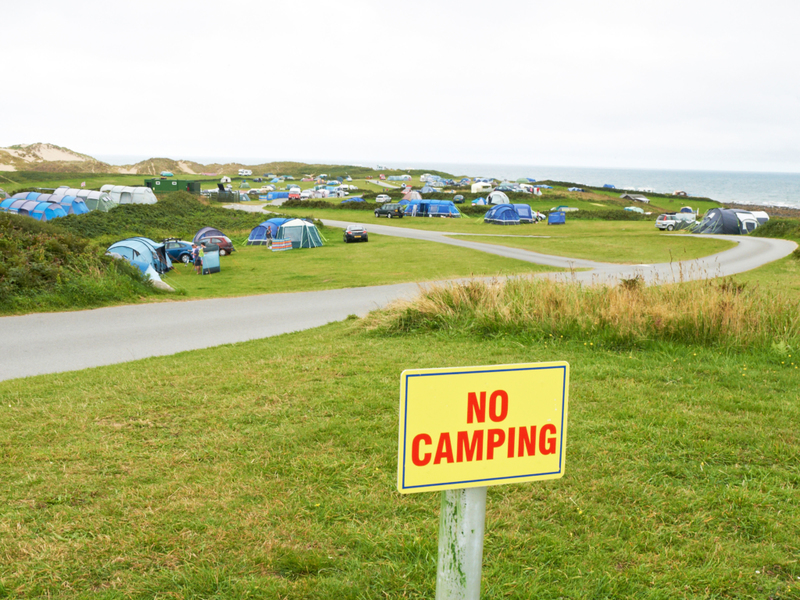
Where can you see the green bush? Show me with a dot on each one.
(780, 228)
(43, 268)
(179, 214)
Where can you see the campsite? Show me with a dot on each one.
(266, 467)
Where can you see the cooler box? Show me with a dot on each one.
(211, 259)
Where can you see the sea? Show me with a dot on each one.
(731, 187)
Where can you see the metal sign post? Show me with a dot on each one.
(461, 525)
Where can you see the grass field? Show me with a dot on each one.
(267, 469)
(382, 260)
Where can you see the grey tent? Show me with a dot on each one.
(730, 221)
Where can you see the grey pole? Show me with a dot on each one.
(461, 524)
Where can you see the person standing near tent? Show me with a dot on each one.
(198, 262)
(269, 237)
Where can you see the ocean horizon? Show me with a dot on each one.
(733, 187)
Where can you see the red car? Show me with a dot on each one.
(224, 243)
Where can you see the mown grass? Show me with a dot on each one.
(380, 261)
(623, 243)
(267, 469)
(42, 268)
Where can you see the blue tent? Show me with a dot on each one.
(687, 209)
(557, 218)
(356, 199)
(73, 205)
(545, 187)
(524, 212)
(530, 180)
(575, 189)
(431, 208)
(143, 249)
(502, 214)
(258, 235)
(479, 201)
(275, 180)
(427, 190)
(609, 186)
(41, 211)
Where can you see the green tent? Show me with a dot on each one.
(522, 180)
(99, 201)
(302, 233)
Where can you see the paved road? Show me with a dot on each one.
(56, 342)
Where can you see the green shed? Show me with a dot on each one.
(163, 186)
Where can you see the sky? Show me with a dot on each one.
(706, 85)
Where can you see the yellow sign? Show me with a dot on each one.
(478, 426)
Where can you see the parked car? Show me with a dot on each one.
(178, 250)
(390, 210)
(672, 221)
(355, 233)
(383, 198)
(224, 243)
(306, 194)
(294, 194)
(458, 199)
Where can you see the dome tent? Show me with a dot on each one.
(206, 232)
(142, 249)
(412, 195)
(301, 233)
(258, 235)
(502, 214)
(479, 201)
(731, 221)
(497, 198)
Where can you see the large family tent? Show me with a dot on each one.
(258, 236)
(93, 199)
(497, 198)
(207, 232)
(301, 233)
(73, 205)
(123, 194)
(41, 211)
(431, 208)
(731, 221)
(502, 214)
(143, 249)
(524, 212)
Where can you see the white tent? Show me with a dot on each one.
(481, 187)
(497, 198)
(123, 194)
(225, 179)
(93, 199)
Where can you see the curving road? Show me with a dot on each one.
(55, 342)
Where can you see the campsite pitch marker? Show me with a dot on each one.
(463, 429)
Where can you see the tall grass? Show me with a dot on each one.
(711, 312)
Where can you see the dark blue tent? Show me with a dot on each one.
(524, 212)
(356, 199)
(502, 214)
(575, 189)
(258, 235)
(609, 186)
(687, 209)
(731, 221)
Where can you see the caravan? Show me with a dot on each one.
(245, 172)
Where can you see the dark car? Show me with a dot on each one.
(390, 210)
(458, 199)
(224, 243)
(178, 250)
(355, 233)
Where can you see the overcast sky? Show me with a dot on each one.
(674, 85)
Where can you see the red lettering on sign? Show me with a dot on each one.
(444, 449)
(495, 440)
(511, 434)
(475, 408)
(527, 444)
(547, 445)
(475, 449)
(493, 414)
(415, 457)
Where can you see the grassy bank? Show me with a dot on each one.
(270, 472)
(44, 269)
